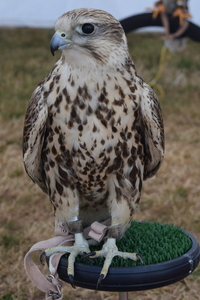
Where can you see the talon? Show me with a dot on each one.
(42, 258)
(101, 277)
(140, 258)
(71, 280)
(87, 256)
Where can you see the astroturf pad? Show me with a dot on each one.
(155, 242)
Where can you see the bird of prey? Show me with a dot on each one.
(93, 131)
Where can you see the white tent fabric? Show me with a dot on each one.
(43, 13)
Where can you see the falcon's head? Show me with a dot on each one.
(89, 33)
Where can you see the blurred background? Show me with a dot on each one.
(172, 196)
(42, 13)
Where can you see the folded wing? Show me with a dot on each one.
(153, 131)
(33, 137)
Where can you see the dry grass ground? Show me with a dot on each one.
(173, 196)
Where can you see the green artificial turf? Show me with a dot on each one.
(155, 242)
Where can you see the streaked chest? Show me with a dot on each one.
(91, 116)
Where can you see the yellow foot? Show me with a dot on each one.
(80, 247)
(160, 8)
(182, 14)
(109, 251)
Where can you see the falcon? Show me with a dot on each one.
(93, 132)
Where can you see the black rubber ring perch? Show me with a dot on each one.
(125, 279)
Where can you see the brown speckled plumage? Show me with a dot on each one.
(93, 129)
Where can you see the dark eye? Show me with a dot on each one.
(88, 28)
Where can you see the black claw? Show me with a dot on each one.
(89, 254)
(140, 258)
(71, 280)
(42, 258)
(85, 255)
(101, 277)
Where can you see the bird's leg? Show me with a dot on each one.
(80, 247)
(182, 13)
(160, 8)
(165, 23)
(110, 250)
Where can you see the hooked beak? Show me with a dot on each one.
(58, 43)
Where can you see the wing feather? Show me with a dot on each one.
(153, 131)
(33, 137)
